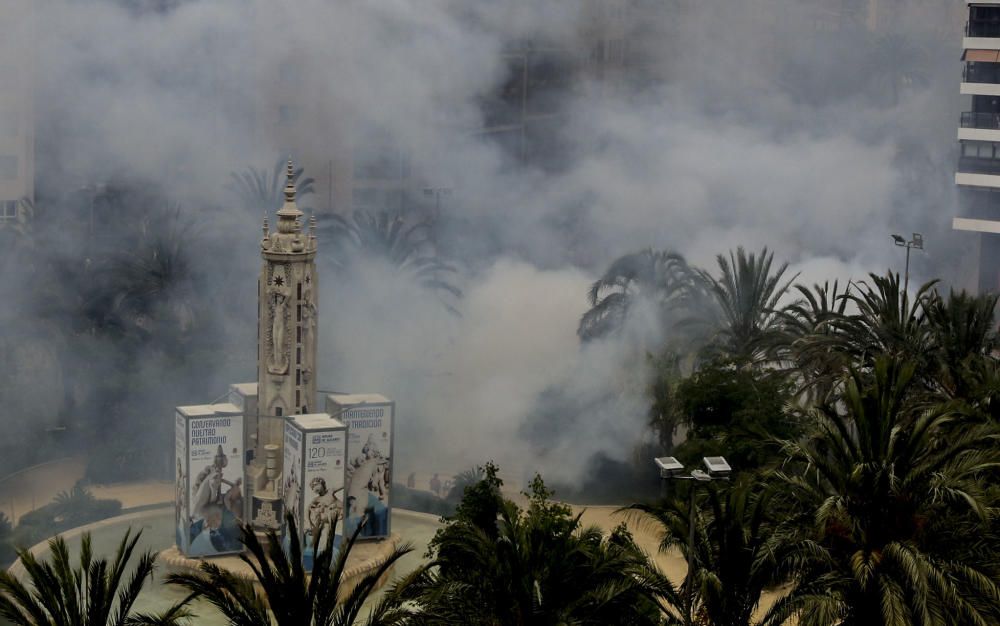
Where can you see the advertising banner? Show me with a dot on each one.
(180, 482)
(369, 420)
(213, 485)
(315, 447)
(244, 396)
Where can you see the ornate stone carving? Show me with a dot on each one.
(309, 317)
(278, 294)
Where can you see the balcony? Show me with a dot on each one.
(972, 119)
(978, 165)
(981, 73)
(982, 28)
(978, 172)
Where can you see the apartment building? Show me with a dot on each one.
(978, 171)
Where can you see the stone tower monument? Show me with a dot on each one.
(286, 318)
(286, 352)
(230, 456)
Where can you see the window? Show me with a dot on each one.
(8, 167)
(980, 149)
(277, 411)
(9, 209)
(984, 13)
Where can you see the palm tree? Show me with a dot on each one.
(890, 503)
(260, 190)
(94, 593)
(404, 246)
(809, 336)
(535, 567)
(962, 331)
(154, 279)
(887, 322)
(745, 319)
(733, 561)
(291, 597)
(660, 277)
(464, 479)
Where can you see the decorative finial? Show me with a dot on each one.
(290, 182)
(289, 214)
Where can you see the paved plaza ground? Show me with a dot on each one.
(36, 486)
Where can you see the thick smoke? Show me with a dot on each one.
(735, 126)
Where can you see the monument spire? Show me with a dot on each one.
(289, 213)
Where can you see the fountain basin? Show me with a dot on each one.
(157, 527)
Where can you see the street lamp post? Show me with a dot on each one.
(716, 468)
(918, 243)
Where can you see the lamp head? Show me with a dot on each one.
(899, 241)
(700, 476)
(716, 466)
(669, 466)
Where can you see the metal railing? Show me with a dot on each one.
(982, 28)
(978, 165)
(981, 72)
(972, 119)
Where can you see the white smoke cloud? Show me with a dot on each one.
(725, 147)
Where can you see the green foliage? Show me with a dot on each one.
(659, 277)
(479, 506)
(888, 499)
(664, 410)
(495, 563)
(881, 408)
(746, 296)
(733, 411)
(96, 592)
(287, 595)
(733, 553)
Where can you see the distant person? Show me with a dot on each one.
(411, 480)
(436, 485)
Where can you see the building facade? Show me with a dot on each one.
(978, 172)
(17, 126)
